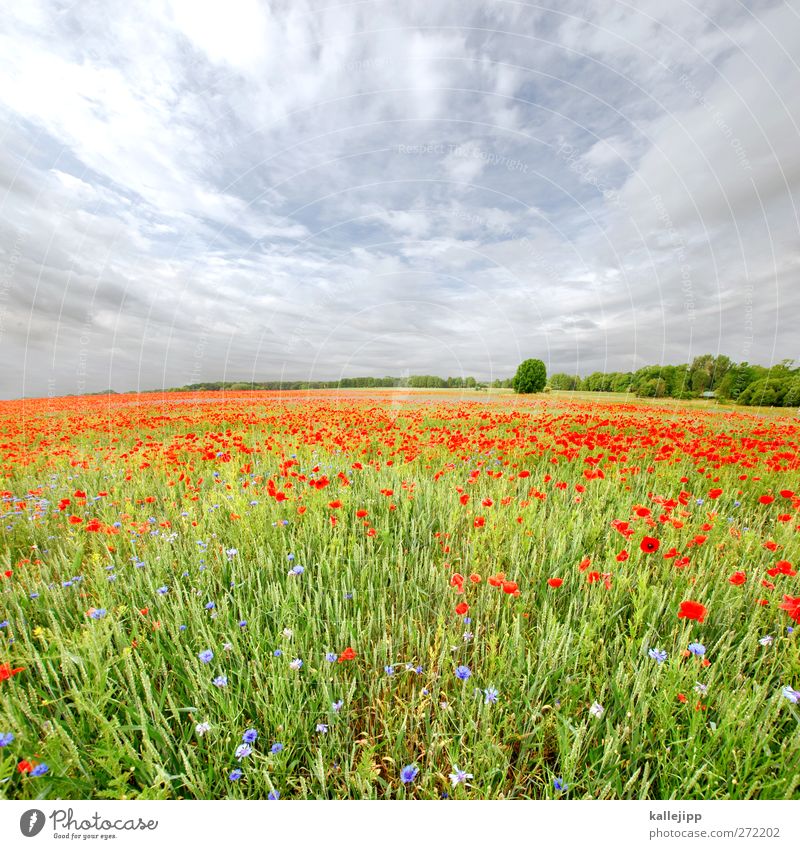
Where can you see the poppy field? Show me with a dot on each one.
(371, 596)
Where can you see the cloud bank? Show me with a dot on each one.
(250, 190)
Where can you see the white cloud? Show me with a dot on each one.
(371, 186)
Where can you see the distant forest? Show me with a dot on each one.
(708, 376)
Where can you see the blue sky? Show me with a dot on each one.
(250, 190)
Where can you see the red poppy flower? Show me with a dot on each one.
(510, 587)
(593, 577)
(737, 578)
(692, 610)
(24, 766)
(585, 564)
(462, 608)
(792, 606)
(7, 672)
(334, 505)
(622, 556)
(782, 567)
(714, 493)
(649, 545)
(766, 499)
(361, 513)
(479, 522)
(476, 579)
(456, 580)
(555, 582)
(347, 654)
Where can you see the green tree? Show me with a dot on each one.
(566, 382)
(531, 376)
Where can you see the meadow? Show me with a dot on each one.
(372, 595)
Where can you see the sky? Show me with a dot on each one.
(250, 190)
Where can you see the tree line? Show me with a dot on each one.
(706, 376)
(415, 381)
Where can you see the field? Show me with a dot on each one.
(388, 595)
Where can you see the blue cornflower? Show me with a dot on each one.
(337, 706)
(459, 776)
(559, 786)
(235, 775)
(4, 623)
(243, 751)
(39, 770)
(792, 695)
(210, 605)
(331, 657)
(296, 664)
(34, 595)
(162, 590)
(490, 696)
(322, 728)
(6, 739)
(99, 613)
(273, 794)
(463, 672)
(206, 655)
(276, 747)
(243, 623)
(220, 681)
(408, 773)
(697, 648)
(348, 596)
(277, 653)
(250, 736)
(297, 570)
(182, 627)
(389, 670)
(658, 655)
(290, 557)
